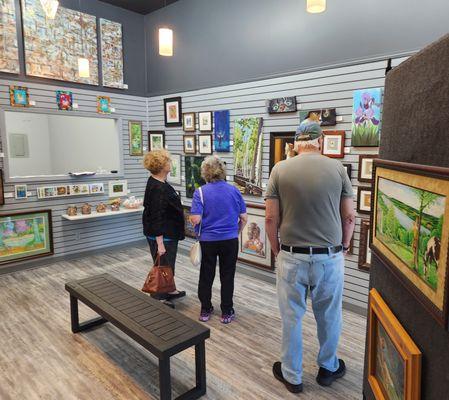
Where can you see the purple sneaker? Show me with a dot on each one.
(228, 318)
(206, 314)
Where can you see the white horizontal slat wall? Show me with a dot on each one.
(314, 90)
(72, 237)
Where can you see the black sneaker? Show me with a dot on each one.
(326, 377)
(277, 372)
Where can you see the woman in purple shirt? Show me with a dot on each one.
(220, 209)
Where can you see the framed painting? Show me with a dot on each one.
(326, 116)
(193, 174)
(20, 192)
(94, 188)
(135, 138)
(394, 360)
(281, 147)
(175, 174)
(410, 232)
(156, 140)
(64, 100)
(334, 144)
(282, 105)
(189, 144)
(2, 189)
(19, 96)
(189, 229)
(205, 144)
(348, 168)
(364, 199)
(173, 111)
(254, 246)
(9, 54)
(111, 53)
(222, 131)
(188, 122)
(366, 167)
(118, 188)
(366, 109)
(25, 235)
(103, 105)
(205, 121)
(364, 249)
(248, 148)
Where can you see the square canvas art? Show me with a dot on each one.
(19, 96)
(9, 49)
(193, 174)
(222, 131)
(173, 111)
(248, 142)
(111, 53)
(366, 111)
(135, 138)
(64, 100)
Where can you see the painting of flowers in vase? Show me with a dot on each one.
(367, 106)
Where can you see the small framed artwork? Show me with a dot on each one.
(189, 229)
(364, 199)
(394, 360)
(334, 144)
(76, 190)
(173, 112)
(366, 167)
(103, 104)
(64, 100)
(25, 235)
(189, 144)
(205, 144)
(118, 188)
(188, 122)
(2, 189)
(410, 232)
(20, 192)
(135, 138)
(63, 190)
(282, 105)
(19, 96)
(364, 249)
(156, 140)
(348, 168)
(205, 121)
(96, 188)
(254, 246)
(175, 174)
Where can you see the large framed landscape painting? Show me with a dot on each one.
(411, 230)
(248, 155)
(254, 246)
(366, 112)
(394, 360)
(25, 235)
(193, 174)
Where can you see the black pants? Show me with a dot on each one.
(169, 258)
(226, 251)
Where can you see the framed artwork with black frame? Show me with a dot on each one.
(189, 122)
(364, 249)
(156, 140)
(366, 167)
(281, 146)
(189, 142)
(364, 199)
(173, 111)
(205, 121)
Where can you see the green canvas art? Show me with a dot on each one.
(193, 174)
(135, 138)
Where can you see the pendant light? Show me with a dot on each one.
(316, 6)
(165, 40)
(50, 8)
(83, 63)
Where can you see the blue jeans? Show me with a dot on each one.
(324, 275)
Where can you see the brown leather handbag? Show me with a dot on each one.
(160, 279)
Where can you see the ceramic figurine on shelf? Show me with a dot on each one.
(115, 204)
(133, 203)
(86, 209)
(101, 208)
(72, 211)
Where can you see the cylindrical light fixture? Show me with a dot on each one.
(83, 68)
(316, 6)
(165, 42)
(50, 8)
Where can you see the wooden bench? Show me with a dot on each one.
(159, 329)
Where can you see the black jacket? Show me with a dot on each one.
(163, 213)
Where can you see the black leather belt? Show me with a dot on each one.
(312, 250)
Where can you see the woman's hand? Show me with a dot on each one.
(161, 249)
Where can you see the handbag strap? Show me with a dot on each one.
(157, 263)
(201, 221)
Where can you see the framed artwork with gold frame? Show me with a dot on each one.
(394, 360)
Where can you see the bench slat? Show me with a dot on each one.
(168, 328)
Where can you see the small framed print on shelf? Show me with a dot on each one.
(173, 112)
(20, 192)
(205, 144)
(334, 144)
(118, 188)
(188, 122)
(189, 144)
(156, 140)
(205, 121)
(364, 199)
(366, 167)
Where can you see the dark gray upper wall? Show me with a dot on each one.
(133, 46)
(222, 42)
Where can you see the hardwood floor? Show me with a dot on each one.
(41, 359)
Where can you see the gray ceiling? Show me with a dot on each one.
(140, 6)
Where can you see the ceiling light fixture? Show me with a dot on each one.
(50, 8)
(316, 6)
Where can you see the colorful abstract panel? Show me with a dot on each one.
(53, 46)
(111, 53)
(222, 132)
(9, 50)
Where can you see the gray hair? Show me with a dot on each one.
(303, 144)
(213, 169)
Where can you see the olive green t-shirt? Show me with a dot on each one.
(309, 188)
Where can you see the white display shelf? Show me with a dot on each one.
(102, 215)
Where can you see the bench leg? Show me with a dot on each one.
(200, 362)
(164, 379)
(74, 317)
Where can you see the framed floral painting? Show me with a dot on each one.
(173, 111)
(64, 100)
(367, 105)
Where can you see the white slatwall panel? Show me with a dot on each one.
(74, 237)
(314, 90)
